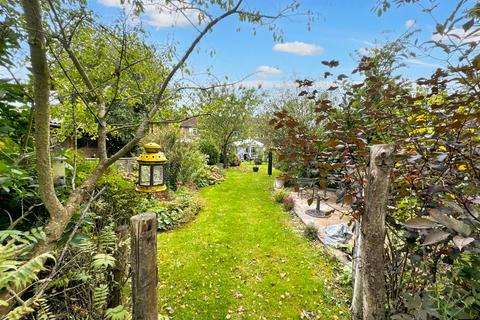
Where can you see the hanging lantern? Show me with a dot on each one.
(151, 169)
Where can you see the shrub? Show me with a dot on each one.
(209, 149)
(310, 232)
(280, 194)
(288, 203)
(168, 217)
(186, 163)
(181, 208)
(233, 159)
(215, 175)
(259, 159)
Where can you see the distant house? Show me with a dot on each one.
(86, 145)
(249, 149)
(189, 127)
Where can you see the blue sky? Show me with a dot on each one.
(341, 28)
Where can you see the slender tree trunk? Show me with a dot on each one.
(373, 232)
(225, 156)
(102, 132)
(41, 92)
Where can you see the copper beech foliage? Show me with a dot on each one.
(434, 210)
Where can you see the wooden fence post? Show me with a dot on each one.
(357, 299)
(144, 266)
(369, 282)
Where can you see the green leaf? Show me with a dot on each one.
(102, 260)
(118, 313)
(467, 25)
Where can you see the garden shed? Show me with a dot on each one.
(249, 149)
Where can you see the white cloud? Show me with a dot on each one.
(160, 14)
(266, 71)
(457, 35)
(422, 63)
(409, 23)
(113, 3)
(299, 48)
(166, 16)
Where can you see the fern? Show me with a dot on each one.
(19, 313)
(44, 312)
(23, 275)
(107, 239)
(100, 295)
(26, 237)
(87, 246)
(118, 313)
(9, 255)
(101, 260)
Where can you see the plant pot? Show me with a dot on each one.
(280, 182)
(255, 169)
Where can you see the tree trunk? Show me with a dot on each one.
(373, 232)
(41, 92)
(225, 156)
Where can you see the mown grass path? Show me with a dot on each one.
(241, 258)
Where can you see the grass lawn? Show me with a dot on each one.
(242, 259)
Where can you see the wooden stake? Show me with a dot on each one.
(144, 266)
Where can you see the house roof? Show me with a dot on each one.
(189, 123)
(248, 142)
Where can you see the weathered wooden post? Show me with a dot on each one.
(369, 289)
(270, 162)
(144, 266)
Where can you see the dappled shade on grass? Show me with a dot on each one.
(242, 259)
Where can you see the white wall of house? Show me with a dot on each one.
(249, 149)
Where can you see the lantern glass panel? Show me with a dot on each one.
(158, 175)
(144, 175)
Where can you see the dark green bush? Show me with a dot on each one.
(211, 150)
(310, 232)
(233, 159)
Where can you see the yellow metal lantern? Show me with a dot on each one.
(151, 169)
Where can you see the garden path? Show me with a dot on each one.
(242, 258)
